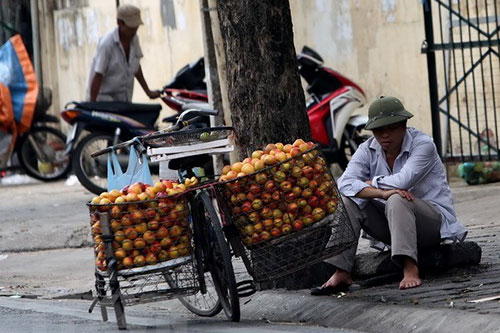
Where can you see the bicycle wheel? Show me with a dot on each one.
(40, 154)
(204, 303)
(218, 256)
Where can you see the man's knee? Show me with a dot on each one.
(397, 201)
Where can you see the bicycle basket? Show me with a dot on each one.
(187, 137)
(144, 233)
(289, 215)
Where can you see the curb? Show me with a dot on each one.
(329, 311)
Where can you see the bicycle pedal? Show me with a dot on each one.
(246, 288)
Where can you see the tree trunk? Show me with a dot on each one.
(264, 90)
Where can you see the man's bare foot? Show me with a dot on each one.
(340, 276)
(411, 278)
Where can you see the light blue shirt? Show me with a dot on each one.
(417, 169)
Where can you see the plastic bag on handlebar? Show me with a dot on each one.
(137, 170)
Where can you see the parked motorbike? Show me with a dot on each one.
(40, 150)
(97, 125)
(333, 100)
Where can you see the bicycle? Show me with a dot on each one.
(216, 286)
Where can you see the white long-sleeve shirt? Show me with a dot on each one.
(417, 169)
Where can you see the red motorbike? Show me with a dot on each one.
(333, 99)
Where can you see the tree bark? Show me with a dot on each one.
(264, 90)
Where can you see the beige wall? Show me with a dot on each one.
(376, 43)
(168, 44)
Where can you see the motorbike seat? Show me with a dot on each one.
(119, 107)
(143, 113)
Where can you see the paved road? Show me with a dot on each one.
(23, 315)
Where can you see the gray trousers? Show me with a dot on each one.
(405, 225)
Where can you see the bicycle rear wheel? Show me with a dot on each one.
(218, 257)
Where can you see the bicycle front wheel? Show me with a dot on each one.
(218, 257)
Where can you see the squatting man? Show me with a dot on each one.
(395, 190)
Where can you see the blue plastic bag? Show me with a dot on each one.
(137, 171)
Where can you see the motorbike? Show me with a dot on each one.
(333, 99)
(40, 150)
(97, 125)
(330, 108)
(108, 123)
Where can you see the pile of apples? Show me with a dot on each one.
(149, 223)
(279, 190)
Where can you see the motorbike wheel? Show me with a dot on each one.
(350, 143)
(40, 153)
(92, 172)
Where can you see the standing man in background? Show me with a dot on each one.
(117, 61)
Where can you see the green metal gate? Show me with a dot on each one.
(463, 58)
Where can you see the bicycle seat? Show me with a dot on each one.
(119, 107)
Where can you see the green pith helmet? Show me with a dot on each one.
(386, 110)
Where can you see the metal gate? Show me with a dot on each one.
(463, 58)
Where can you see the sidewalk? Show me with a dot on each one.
(441, 304)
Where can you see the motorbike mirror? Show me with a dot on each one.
(306, 50)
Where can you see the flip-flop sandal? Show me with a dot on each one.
(320, 291)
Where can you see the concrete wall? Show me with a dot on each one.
(376, 43)
(170, 38)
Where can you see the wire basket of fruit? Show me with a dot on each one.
(145, 231)
(286, 207)
(187, 137)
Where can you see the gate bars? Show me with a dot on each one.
(464, 88)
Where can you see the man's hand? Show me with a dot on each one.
(153, 94)
(405, 194)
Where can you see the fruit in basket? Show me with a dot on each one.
(130, 233)
(125, 220)
(139, 243)
(155, 247)
(175, 231)
(101, 264)
(120, 253)
(149, 191)
(143, 196)
(134, 188)
(173, 252)
(149, 236)
(268, 224)
(264, 235)
(151, 259)
(119, 236)
(127, 244)
(307, 220)
(269, 159)
(163, 255)
(131, 197)
(275, 232)
(317, 214)
(247, 168)
(298, 225)
(166, 242)
(141, 228)
(189, 182)
(286, 228)
(331, 206)
(161, 232)
(128, 262)
(139, 260)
